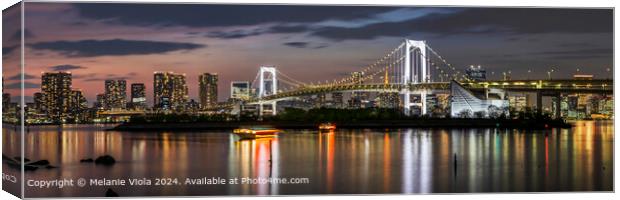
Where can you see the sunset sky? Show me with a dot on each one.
(310, 43)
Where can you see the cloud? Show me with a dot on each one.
(277, 29)
(17, 85)
(205, 15)
(578, 53)
(573, 54)
(19, 77)
(66, 67)
(482, 21)
(303, 45)
(289, 28)
(83, 76)
(297, 44)
(18, 35)
(235, 34)
(114, 47)
(8, 49)
(102, 77)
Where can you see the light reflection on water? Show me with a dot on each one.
(341, 162)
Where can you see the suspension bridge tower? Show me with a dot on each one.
(268, 85)
(415, 70)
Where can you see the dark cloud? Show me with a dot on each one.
(302, 45)
(297, 44)
(204, 15)
(19, 77)
(483, 21)
(289, 28)
(65, 67)
(83, 76)
(235, 34)
(578, 53)
(277, 29)
(114, 47)
(102, 77)
(17, 85)
(575, 45)
(573, 54)
(18, 35)
(8, 49)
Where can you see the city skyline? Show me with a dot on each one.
(141, 99)
(310, 48)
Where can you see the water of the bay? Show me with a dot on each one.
(347, 161)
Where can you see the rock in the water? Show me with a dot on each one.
(110, 193)
(105, 160)
(87, 160)
(40, 163)
(50, 167)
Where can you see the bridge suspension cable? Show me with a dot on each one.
(290, 78)
(452, 68)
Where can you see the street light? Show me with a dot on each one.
(608, 74)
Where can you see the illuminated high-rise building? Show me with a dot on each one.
(476, 73)
(240, 90)
(138, 96)
(169, 90)
(358, 99)
(6, 100)
(77, 104)
(100, 102)
(208, 89)
(116, 94)
(39, 102)
(56, 89)
(518, 102)
(321, 100)
(338, 99)
(388, 100)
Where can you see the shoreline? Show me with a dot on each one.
(417, 123)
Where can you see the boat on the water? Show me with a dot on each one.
(255, 133)
(327, 126)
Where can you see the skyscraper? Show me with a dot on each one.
(138, 96)
(169, 90)
(116, 94)
(388, 100)
(100, 103)
(56, 88)
(338, 99)
(476, 73)
(208, 89)
(240, 90)
(39, 102)
(358, 99)
(518, 102)
(77, 104)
